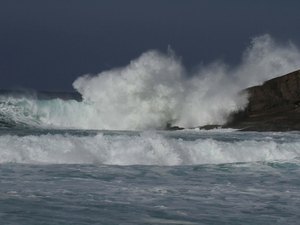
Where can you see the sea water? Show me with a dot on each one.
(98, 157)
(148, 177)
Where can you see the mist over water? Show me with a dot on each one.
(156, 90)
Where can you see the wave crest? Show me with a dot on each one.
(147, 148)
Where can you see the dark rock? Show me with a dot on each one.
(273, 106)
(210, 127)
(170, 127)
(174, 128)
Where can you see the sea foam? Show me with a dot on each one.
(146, 148)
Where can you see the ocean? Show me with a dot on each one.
(54, 176)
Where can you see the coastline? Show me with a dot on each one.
(273, 106)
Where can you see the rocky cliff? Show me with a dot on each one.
(273, 106)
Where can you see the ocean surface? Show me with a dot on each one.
(148, 177)
(60, 175)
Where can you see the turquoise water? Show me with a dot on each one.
(125, 177)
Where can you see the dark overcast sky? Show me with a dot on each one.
(47, 44)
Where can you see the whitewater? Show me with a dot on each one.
(106, 158)
(148, 148)
(155, 91)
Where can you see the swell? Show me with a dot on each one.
(28, 112)
(20, 108)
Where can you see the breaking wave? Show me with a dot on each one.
(155, 90)
(147, 148)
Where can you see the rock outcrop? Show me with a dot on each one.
(273, 106)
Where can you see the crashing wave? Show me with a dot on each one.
(155, 91)
(147, 148)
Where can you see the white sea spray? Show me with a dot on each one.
(155, 90)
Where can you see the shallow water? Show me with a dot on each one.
(119, 177)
